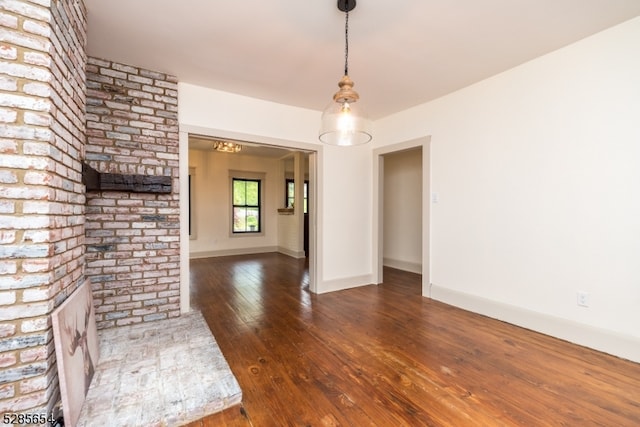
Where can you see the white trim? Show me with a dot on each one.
(412, 267)
(346, 283)
(183, 170)
(292, 254)
(247, 251)
(378, 203)
(315, 189)
(229, 252)
(315, 220)
(621, 345)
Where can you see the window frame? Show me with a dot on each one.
(305, 198)
(249, 177)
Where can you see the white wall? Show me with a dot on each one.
(343, 215)
(402, 246)
(212, 203)
(288, 233)
(291, 225)
(538, 177)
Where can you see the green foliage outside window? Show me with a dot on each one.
(246, 205)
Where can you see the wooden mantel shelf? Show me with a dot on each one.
(286, 211)
(97, 181)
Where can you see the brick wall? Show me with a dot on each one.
(42, 96)
(133, 239)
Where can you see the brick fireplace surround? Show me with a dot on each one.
(58, 109)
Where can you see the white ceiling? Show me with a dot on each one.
(401, 53)
(204, 143)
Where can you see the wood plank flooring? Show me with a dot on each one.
(385, 356)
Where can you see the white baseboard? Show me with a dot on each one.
(617, 344)
(411, 267)
(228, 252)
(344, 283)
(291, 253)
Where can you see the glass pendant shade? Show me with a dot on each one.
(343, 122)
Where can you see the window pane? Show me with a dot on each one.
(253, 219)
(239, 192)
(252, 193)
(246, 205)
(239, 220)
(306, 189)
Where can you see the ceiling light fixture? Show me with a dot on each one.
(343, 122)
(226, 146)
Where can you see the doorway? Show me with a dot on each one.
(314, 155)
(402, 209)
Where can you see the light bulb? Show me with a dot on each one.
(345, 120)
(346, 125)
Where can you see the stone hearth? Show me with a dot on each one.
(168, 372)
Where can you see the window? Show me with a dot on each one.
(246, 205)
(290, 192)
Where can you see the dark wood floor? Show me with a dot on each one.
(385, 356)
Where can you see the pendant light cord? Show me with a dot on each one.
(346, 42)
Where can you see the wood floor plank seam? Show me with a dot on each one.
(383, 355)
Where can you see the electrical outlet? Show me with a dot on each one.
(583, 299)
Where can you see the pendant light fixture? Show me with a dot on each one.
(343, 121)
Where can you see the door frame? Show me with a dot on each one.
(315, 182)
(378, 208)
